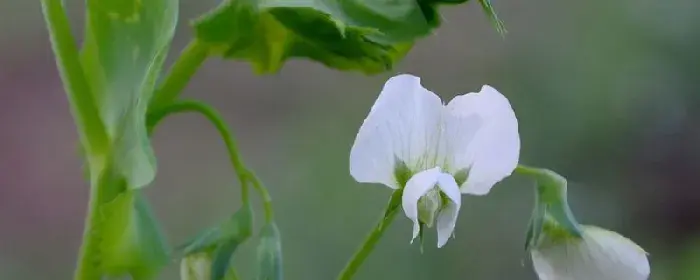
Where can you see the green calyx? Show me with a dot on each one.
(401, 173)
(551, 215)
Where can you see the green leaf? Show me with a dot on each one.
(131, 242)
(491, 13)
(125, 44)
(363, 35)
(270, 253)
(238, 228)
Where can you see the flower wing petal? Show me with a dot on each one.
(403, 124)
(447, 218)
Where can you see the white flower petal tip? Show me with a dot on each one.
(599, 255)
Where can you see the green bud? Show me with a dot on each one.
(270, 253)
(198, 266)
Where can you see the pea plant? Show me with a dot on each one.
(428, 152)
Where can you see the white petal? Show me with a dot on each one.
(403, 123)
(600, 255)
(416, 187)
(447, 218)
(491, 152)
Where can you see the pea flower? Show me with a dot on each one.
(435, 152)
(599, 254)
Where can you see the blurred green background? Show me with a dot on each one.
(606, 92)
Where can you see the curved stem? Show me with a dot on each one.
(189, 61)
(526, 170)
(245, 176)
(267, 200)
(371, 240)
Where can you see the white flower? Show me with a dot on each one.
(466, 146)
(599, 255)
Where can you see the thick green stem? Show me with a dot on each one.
(103, 190)
(87, 268)
(245, 176)
(93, 135)
(191, 58)
(372, 239)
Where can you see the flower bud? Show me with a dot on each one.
(196, 267)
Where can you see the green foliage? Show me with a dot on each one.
(125, 45)
(270, 253)
(362, 35)
(111, 82)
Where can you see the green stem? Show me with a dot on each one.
(93, 135)
(245, 176)
(91, 130)
(191, 58)
(87, 267)
(104, 189)
(526, 170)
(371, 240)
(267, 200)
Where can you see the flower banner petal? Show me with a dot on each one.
(495, 148)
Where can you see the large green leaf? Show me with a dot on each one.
(125, 44)
(364, 35)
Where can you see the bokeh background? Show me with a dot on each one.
(607, 93)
